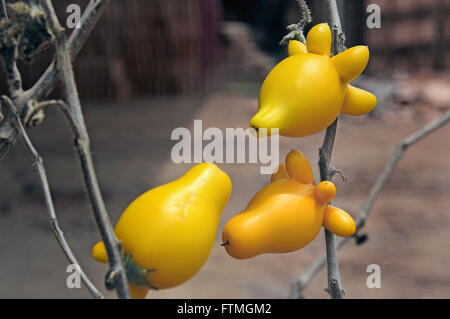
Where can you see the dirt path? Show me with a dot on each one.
(408, 228)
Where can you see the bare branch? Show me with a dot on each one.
(46, 83)
(336, 171)
(64, 66)
(334, 286)
(298, 287)
(82, 142)
(34, 107)
(9, 131)
(48, 199)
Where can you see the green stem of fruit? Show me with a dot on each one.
(135, 274)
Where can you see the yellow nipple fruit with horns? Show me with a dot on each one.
(307, 91)
(167, 233)
(287, 214)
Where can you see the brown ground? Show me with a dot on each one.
(408, 227)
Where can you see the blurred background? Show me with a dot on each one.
(151, 66)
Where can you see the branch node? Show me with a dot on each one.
(335, 290)
(334, 170)
(31, 115)
(338, 39)
(403, 145)
(111, 278)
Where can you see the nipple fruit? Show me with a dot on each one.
(167, 233)
(307, 91)
(287, 214)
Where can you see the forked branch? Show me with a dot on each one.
(64, 67)
(47, 81)
(26, 106)
(298, 287)
(59, 235)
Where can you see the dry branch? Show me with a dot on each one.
(298, 287)
(326, 171)
(59, 235)
(64, 67)
(27, 109)
(45, 84)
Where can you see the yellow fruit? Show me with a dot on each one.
(169, 231)
(305, 92)
(287, 214)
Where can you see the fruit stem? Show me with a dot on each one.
(225, 243)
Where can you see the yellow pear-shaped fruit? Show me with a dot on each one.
(287, 214)
(306, 92)
(170, 230)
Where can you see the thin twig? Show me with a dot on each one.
(59, 104)
(64, 66)
(298, 287)
(48, 199)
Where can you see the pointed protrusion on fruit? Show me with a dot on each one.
(338, 221)
(99, 252)
(298, 167)
(358, 102)
(265, 123)
(318, 39)
(296, 47)
(280, 173)
(137, 291)
(325, 192)
(350, 63)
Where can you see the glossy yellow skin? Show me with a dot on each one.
(307, 91)
(287, 214)
(171, 228)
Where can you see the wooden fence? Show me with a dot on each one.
(142, 47)
(414, 35)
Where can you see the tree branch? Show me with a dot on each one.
(46, 83)
(298, 287)
(334, 286)
(48, 198)
(64, 67)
